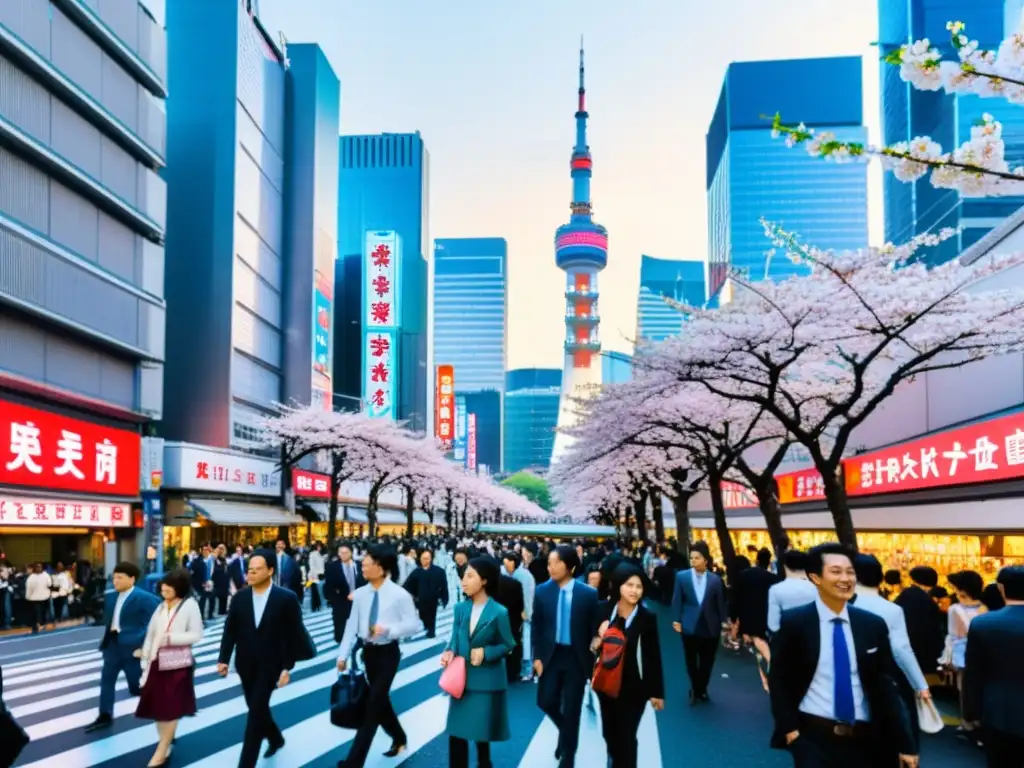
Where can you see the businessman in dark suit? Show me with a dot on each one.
(698, 613)
(751, 602)
(832, 680)
(126, 613)
(926, 624)
(286, 571)
(994, 675)
(201, 580)
(264, 629)
(566, 616)
(428, 585)
(510, 596)
(342, 577)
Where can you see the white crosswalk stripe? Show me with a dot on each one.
(55, 699)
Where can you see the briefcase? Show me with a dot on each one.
(348, 697)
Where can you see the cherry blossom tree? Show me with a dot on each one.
(818, 354)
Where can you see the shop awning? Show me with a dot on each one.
(385, 516)
(242, 513)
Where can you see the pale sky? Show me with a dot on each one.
(492, 88)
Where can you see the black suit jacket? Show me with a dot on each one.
(336, 590)
(510, 595)
(585, 619)
(643, 632)
(750, 600)
(428, 586)
(925, 625)
(795, 651)
(279, 641)
(539, 570)
(994, 676)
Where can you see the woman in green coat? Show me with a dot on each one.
(482, 636)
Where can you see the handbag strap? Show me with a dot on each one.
(174, 615)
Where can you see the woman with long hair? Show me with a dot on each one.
(642, 681)
(168, 689)
(482, 635)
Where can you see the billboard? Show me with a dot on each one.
(471, 442)
(323, 322)
(444, 405)
(381, 257)
(459, 453)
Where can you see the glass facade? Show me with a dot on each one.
(383, 184)
(616, 367)
(682, 281)
(487, 406)
(912, 209)
(750, 174)
(531, 415)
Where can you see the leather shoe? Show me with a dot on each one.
(273, 748)
(395, 751)
(101, 722)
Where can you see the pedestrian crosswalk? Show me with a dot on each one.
(56, 698)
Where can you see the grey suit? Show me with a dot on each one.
(701, 621)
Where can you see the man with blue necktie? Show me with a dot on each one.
(566, 616)
(833, 678)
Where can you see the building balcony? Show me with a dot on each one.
(582, 345)
(589, 320)
(575, 294)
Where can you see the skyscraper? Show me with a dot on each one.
(661, 279)
(471, 329)
(531, 414)
(247, 226)
(616, 367)
(383, 186)
(581, 249)
(750, 174)
(912, 209)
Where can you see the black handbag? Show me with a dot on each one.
(348, 697)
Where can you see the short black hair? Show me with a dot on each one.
(128, 569)
(488, 570)
(269, 557)
(968, 582)
(991, 598)
(924, 575)
(764, 557)
(568, 555)
(1012, 579)
(816, 556)
(795, 560)
(512, 557)
(384, 556)
(179, 581)
(869, 570)
(623, 572)
(419, 552)
(893, 577)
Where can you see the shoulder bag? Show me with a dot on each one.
(170, 657)
(349, 696)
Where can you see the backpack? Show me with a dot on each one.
(608, 670)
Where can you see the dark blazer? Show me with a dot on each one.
(220, 578)
(642, 638)
(493, 634)
(136, 612)
(336, 589)
(925, 625)
(994, 676)
(585, 620)
(538, 568)
(510, 595)
(200, 573)
(279, 641)
(290, 576)
(795, 651)
(751, 603)
(687, 611)
(428, 586)
(236, 571)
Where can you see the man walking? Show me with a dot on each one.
(126, 616)
(698, 613)
(341, 579)
(264, 629)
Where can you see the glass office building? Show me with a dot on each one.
(616, 367)
(912, 209)
(750, 174)
(383, 185)
(661, 279)
(531, 415)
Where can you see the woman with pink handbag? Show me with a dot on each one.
(475, 667)
(168, 689)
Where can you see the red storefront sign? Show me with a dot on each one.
(310, 485)
(445, 404)
(802, 485)
(39, 512)
(42, 449)
(979, 453)
(736, 496)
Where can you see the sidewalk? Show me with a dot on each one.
(735, 727)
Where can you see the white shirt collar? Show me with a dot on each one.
(826, 615)
(629, 619)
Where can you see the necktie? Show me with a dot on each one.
(845, 710)
(374, 610)
(277, 571)
(563, 624)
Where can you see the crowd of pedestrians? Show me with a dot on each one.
(40, 595)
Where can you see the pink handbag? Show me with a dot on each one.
(172, 657)
(453, 679)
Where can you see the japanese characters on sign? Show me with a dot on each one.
(736, 496)
(67, 514)
(459, 451)
(979, 453)
(192, 467)
(310, 485)
(802, 485)
(445, 405)
(42, 449)
(471, 442)
(381, 268)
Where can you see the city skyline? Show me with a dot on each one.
(500, 132)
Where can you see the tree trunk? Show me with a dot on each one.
(768, 502)
(681, 508)
(410, 512)
(448, 509)
(839, 506)
(640, 513)
(657, 515)
(371, 513)
(721, 524)
(337, 467)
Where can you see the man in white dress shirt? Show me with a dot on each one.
(382, 614)
(793, 591)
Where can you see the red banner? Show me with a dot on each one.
(802, 485)
(445, 404)
(736, 496)
(979, 453)
(42, 449)
(310, 485)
